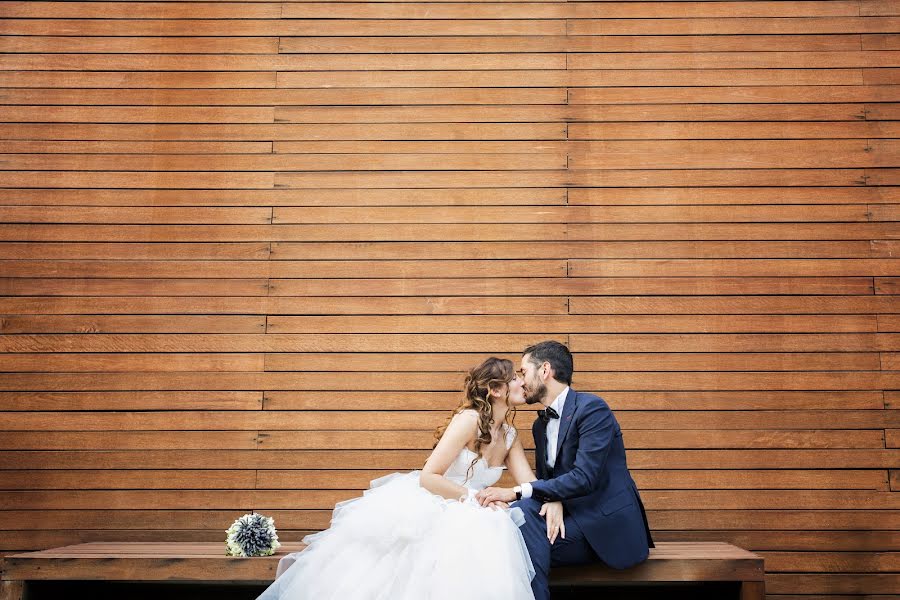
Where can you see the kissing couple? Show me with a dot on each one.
(445, 532)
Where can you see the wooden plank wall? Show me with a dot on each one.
(248, 248)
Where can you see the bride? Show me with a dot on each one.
(422, 535)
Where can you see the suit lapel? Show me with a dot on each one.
(565, 419)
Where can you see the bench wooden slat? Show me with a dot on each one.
(206, 561)
(666, 550)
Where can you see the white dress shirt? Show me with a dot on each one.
(552, 436)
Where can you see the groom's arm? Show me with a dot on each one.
(595, 434)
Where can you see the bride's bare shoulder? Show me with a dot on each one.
(468, 415)
(462, 426)
(467, 418)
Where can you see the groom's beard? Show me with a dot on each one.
(535, 394)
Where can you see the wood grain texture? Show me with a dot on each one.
(249, 248)
(670, 561)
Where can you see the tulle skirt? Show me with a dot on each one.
(398, 541)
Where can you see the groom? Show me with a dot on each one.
(580, 461)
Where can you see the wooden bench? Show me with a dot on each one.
(206, 562)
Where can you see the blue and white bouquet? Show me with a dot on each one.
(252, 535)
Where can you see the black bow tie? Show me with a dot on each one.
(546, 415)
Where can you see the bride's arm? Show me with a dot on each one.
(461, 429)
(517, 464)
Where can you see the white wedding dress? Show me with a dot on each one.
(398, 541)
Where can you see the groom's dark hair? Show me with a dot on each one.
(557, 355)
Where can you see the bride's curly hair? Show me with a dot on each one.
(493, 373)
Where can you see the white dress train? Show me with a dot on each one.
(398, 541)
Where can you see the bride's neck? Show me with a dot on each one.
(499, 413)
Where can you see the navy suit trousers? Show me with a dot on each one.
(573, 550)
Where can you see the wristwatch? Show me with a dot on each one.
(518, 491)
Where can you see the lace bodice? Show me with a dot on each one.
(482, 475)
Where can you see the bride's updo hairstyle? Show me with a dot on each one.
(492, 374)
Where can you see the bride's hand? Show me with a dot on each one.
(469, 497)
(553, 512)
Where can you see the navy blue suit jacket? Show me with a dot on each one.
(591, 478)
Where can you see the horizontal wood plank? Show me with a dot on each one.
(323, 499)
(676, 522)
(484, 343)
(431, 400)
(406, 362)
(394, 460)
(375, 420)
(359, 479)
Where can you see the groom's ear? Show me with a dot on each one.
(548, 374)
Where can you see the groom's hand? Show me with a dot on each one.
(494, 494)
(556, 526)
